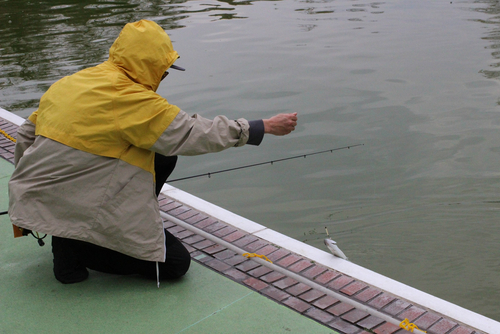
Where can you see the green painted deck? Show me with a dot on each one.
(202, 302)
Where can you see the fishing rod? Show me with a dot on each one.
(263, 163)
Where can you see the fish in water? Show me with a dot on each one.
(332, 246)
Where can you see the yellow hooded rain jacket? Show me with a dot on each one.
(85, 158)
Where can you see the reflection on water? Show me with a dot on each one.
(43, 41)
(492, 22)
(414, 81)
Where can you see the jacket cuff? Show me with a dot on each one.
(256, 132)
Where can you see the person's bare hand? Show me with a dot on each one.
(281, 124)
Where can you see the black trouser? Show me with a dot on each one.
(72, 257)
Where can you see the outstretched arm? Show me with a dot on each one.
(193, 135)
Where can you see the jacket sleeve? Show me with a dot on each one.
(194, 135)
(256, 132)
(25, 137)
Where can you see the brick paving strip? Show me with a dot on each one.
(326, 309)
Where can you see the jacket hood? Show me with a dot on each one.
(143, 50)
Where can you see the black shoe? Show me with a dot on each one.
(67, 267)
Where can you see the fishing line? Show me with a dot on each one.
(263, 163)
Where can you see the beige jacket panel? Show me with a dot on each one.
(87, 197)
(194, 135)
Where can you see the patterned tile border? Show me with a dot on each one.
(325, 309)
(6, 145)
